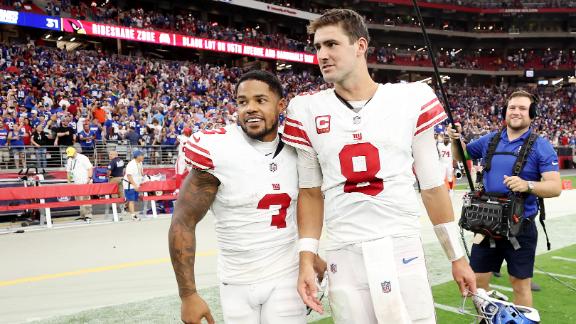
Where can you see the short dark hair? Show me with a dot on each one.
(260, 75)
(522, 93)
(353, 24)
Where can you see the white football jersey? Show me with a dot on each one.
(255, 206)
(445, 153)
(365, 157)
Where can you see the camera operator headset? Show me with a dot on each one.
(520, 177)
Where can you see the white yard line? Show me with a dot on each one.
(501, 287)
(556, 274)
(563, 259)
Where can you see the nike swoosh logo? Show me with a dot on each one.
(406, 261)
(554, 163)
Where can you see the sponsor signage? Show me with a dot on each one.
(171, 39)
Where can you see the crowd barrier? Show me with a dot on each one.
(45, 195)
(30, 157)
(40, 195)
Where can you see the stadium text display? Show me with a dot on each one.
(29, 20)
(149, 36)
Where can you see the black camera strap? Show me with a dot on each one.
(542, 218)
(518, 166)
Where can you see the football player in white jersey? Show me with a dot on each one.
(356, 147)
(446, 161)
(248, 178)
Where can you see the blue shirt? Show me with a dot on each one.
(97, 131)
(86, 140)
(16, 140)
(160, 118)
(3, 136)
(542, 158)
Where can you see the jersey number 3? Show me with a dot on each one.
(359, 164)
(281, 199)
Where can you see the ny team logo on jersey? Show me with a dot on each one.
(323, 124)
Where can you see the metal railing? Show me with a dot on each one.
(46, 157)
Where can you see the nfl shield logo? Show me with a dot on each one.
(386, 287)
(333, 268)
(273, 167)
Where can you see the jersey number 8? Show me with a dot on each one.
(363, 179)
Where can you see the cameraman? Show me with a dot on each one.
(538, 178)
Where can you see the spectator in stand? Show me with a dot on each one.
(80, 170)
(133, 137)
(17, 146)
(116, 171)
(96, 128)
(39, 140)
(4, 151)
(146, 141)
(132, 180)
(99, 114)
(112, 138)
(65, 135)
(87, 139)
(158, 139)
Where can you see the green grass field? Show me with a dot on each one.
(556, 303)
(464, 186)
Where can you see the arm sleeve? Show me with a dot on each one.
(426, 162)
(309, 171)
(548, 159)
(430, 110)
(478, 148)
(196, 153)
(295, 133)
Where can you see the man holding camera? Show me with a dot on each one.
(538, 178)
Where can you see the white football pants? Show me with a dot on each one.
(269, 302)
(381, 281)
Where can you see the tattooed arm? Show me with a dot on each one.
(196, 196)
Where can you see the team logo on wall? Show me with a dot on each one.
(322, 124)
(386, 287)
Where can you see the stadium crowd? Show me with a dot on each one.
(95, 97)
(479, 109)
(180, 21)
(509, 4)
(187, 23)
(478, 59)
(92, 97)
(314, 7)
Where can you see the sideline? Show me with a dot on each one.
(96, 270)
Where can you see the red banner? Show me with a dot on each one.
(165, 38)
(54, 191)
